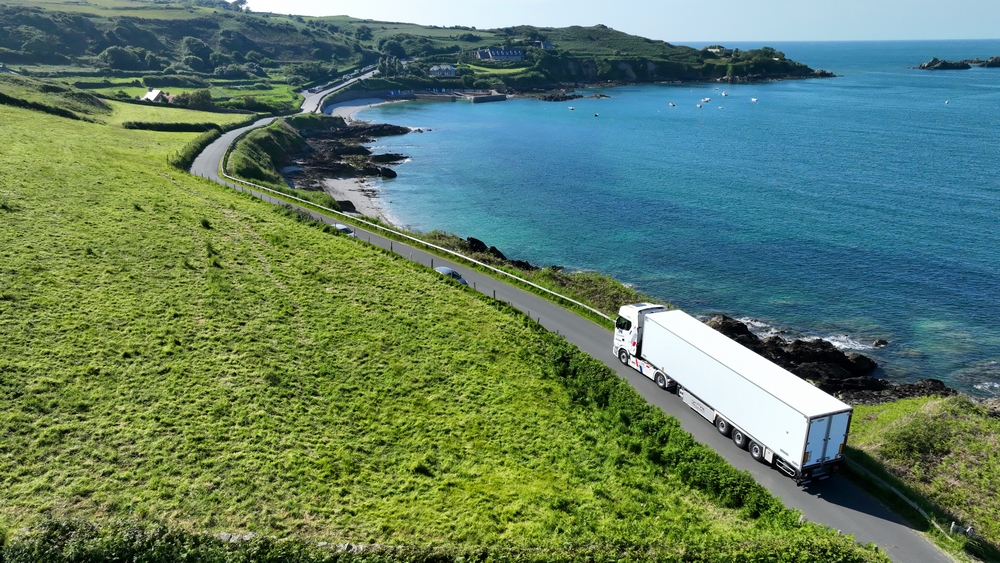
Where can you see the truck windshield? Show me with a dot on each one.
(623, 324)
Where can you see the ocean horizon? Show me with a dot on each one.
(851, 208)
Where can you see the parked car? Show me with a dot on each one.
(451, 274)
(344, 230)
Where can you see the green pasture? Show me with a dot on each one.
(172, 350)
(494, 70)
(119, 8)
(122, 112)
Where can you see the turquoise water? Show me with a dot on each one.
(852, 208)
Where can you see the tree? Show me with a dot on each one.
(153, 62)
(196, 48)
(363, 33)
(217, 59)
(394, 48)
(198, 99)
(197, 63)
(120, 59)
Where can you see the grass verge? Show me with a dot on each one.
(940, 453)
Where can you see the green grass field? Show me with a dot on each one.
(946, 450)
(119, 8)
(122, 112)
(171, 350)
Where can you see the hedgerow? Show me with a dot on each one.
(25, 104)
(172, 127)
(184, 158)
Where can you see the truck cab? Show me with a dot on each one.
(628, 328)
(628, 340)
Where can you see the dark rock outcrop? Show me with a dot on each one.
(339, 153)
(496, 253)
(559, 97)
(894, 392)
(844, 375)
(387, 158)
(938, 64)
(476, 245)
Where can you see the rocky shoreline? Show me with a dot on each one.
(845, 375)
(338, 155)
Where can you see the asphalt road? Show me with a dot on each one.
(835, 502)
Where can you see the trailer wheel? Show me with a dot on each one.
(623, 356)
(723, 426)
(739, 438)
(661, 380)
(757, 452)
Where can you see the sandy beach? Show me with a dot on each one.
(348, 109)
(355, 195)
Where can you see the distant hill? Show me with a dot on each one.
(216, 38)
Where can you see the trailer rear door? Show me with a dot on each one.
(839, 423)
(826, 436)
(816, 441)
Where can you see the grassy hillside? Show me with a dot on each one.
(247, 55)
(942, 449)
(172, 351)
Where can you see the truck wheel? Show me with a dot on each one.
(757, 452)
(623, 356)
(661, 380)
(723, 426)
(739, 438)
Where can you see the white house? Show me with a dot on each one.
(442, 70)
(153, 96)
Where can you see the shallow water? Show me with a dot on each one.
(852, 208)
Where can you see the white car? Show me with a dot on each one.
(451, 274)
(344, 230)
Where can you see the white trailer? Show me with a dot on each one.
(783, 420)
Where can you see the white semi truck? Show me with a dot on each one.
(783, 420)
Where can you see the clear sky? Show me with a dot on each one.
(688, 21)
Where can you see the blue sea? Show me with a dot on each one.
(853, 208)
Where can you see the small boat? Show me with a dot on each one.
(703, 100)
(698, 105)
(571, 108)
(720, 107)
(754, 100)
(725, 94)
(946, 101)
(595, 115)
(672, 104)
